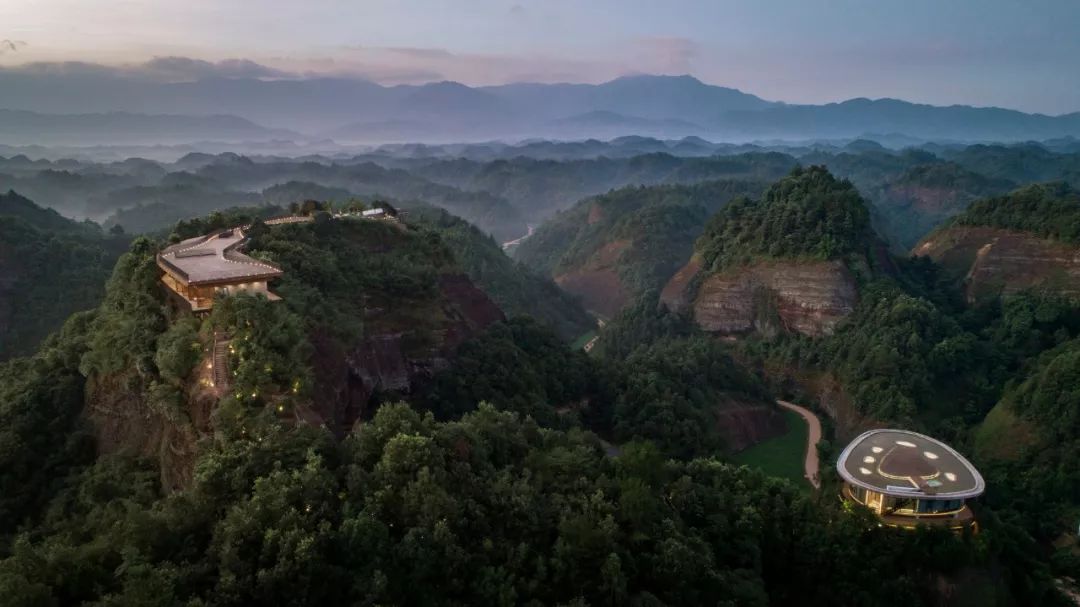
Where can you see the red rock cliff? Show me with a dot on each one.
(800, 297)
(996, 262)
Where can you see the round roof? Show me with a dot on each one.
(902, 463)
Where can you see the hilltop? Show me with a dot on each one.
(790, 261)
(610, 248)
(1027, 239)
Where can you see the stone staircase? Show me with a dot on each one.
(221, 360)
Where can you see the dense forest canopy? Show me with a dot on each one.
(1049, 210)
(808, 214)
(654, 227)
(510, 468)
(50, 267)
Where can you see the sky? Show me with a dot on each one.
(1008, 53)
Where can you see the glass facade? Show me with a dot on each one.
(888, 504)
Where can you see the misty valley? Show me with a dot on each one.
(384, 324)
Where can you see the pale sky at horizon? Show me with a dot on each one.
(1008, 53)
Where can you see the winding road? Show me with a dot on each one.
(813, 438)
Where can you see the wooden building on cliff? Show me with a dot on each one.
(198, 269)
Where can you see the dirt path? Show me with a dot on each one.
(592, 342)
(811, 464)
(509, 244)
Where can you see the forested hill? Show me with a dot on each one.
(790, 261)
(1049, 210)
(50, 267)
(610, 248)
(807, 215)
(924, 196)
(1028, 239)
(129, 477)
(517, 289)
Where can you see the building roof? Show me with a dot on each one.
(903, 463)
(214, 259)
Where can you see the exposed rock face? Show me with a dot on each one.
(801, 297)
(743, 425)
(387, 361)
(996, 262)
(597, 282)
(676, 294)
(125, 423)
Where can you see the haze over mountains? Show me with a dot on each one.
(242, 101)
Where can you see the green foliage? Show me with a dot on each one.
(41, 434)
(517, 366)
(639, 324)
(1050, 210)
(517, 289)
(921, 198)
(540, 188)
(897, 351)
(220, 220)
(809, 214)
(131, 317)
(781, 456)
(54, 267)
(337, 270)
(671, 392)
(269, 350)
(489, 509)
(660, 222)
(178, 349)
(1040, 485)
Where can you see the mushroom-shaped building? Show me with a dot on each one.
(909, 479)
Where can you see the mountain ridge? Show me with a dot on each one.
(448, 109)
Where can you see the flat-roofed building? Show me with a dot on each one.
(198, 269)
(909, 479)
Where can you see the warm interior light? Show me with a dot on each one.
(869, 459)
(865, 471)
(930, 454)
(904, 443)
(876, 449)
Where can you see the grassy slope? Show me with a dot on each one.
(781, 456)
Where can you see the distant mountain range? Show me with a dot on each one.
(104, 107)
(20, 126)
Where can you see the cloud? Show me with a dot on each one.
(186, 68)
(158, 69)
(667, 54)
(420, 53)
(10, 46)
